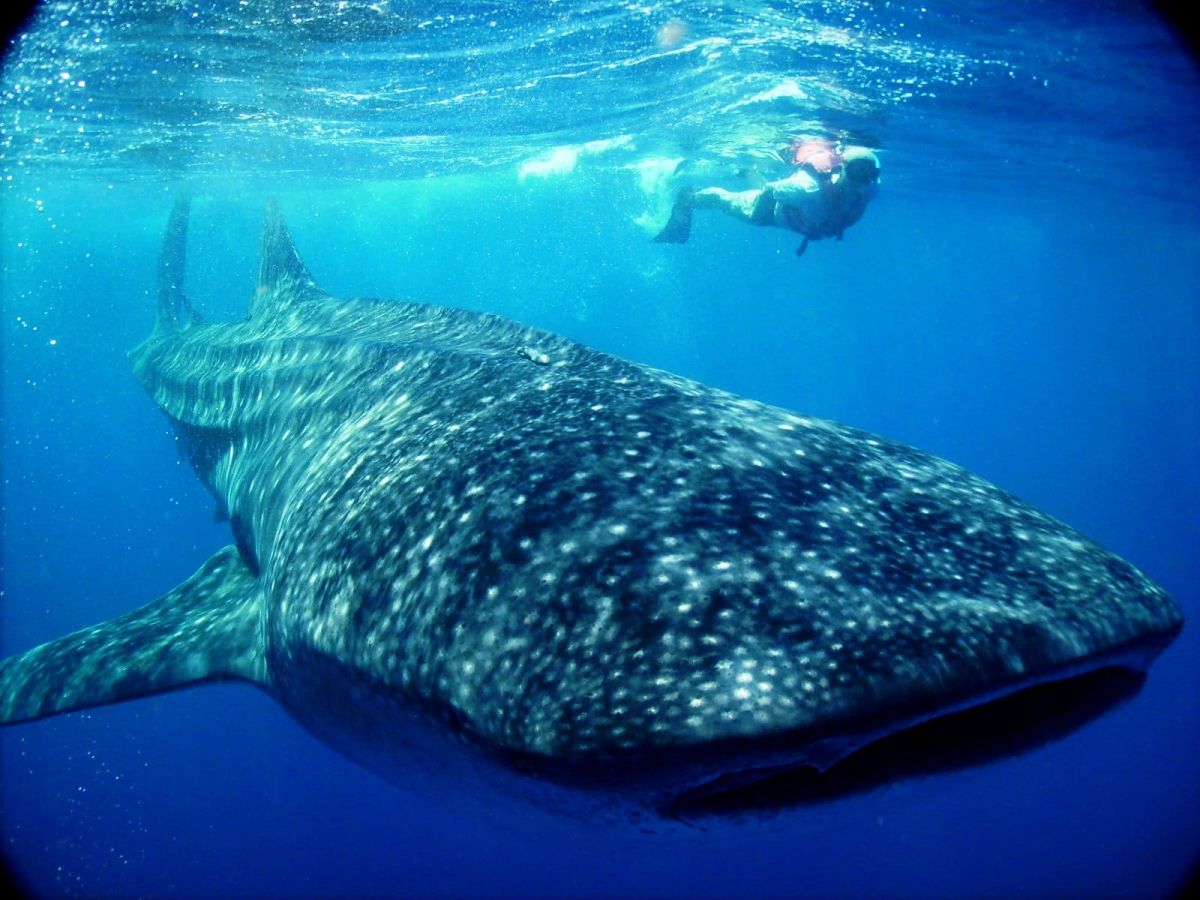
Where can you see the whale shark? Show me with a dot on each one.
(466, 545)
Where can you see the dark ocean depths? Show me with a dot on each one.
(1023, 298)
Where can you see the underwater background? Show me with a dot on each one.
(1022, 298)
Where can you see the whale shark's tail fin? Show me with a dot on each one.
(175, 313)
(283, 278)
(206, 629)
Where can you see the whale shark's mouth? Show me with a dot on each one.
(758, 776)
(1004, 727)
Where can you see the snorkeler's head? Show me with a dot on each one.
(860, 166)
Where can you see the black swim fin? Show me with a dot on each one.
(679, 227)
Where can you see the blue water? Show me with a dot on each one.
(1023, 298)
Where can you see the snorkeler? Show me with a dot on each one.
(826, 194)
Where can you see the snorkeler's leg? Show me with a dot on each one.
(679, 227)
(752, 207)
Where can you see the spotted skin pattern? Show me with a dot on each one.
(567, 556)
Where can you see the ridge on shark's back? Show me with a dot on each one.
(625, 583)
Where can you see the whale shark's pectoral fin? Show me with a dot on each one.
(204, 630)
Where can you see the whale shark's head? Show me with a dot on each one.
(609, 577)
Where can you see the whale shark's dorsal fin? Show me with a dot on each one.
(206, 629)
(282, 276)
(175, 313)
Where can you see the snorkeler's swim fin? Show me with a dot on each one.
(679, 227)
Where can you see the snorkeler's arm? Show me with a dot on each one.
(857, 208)
(797, 189)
